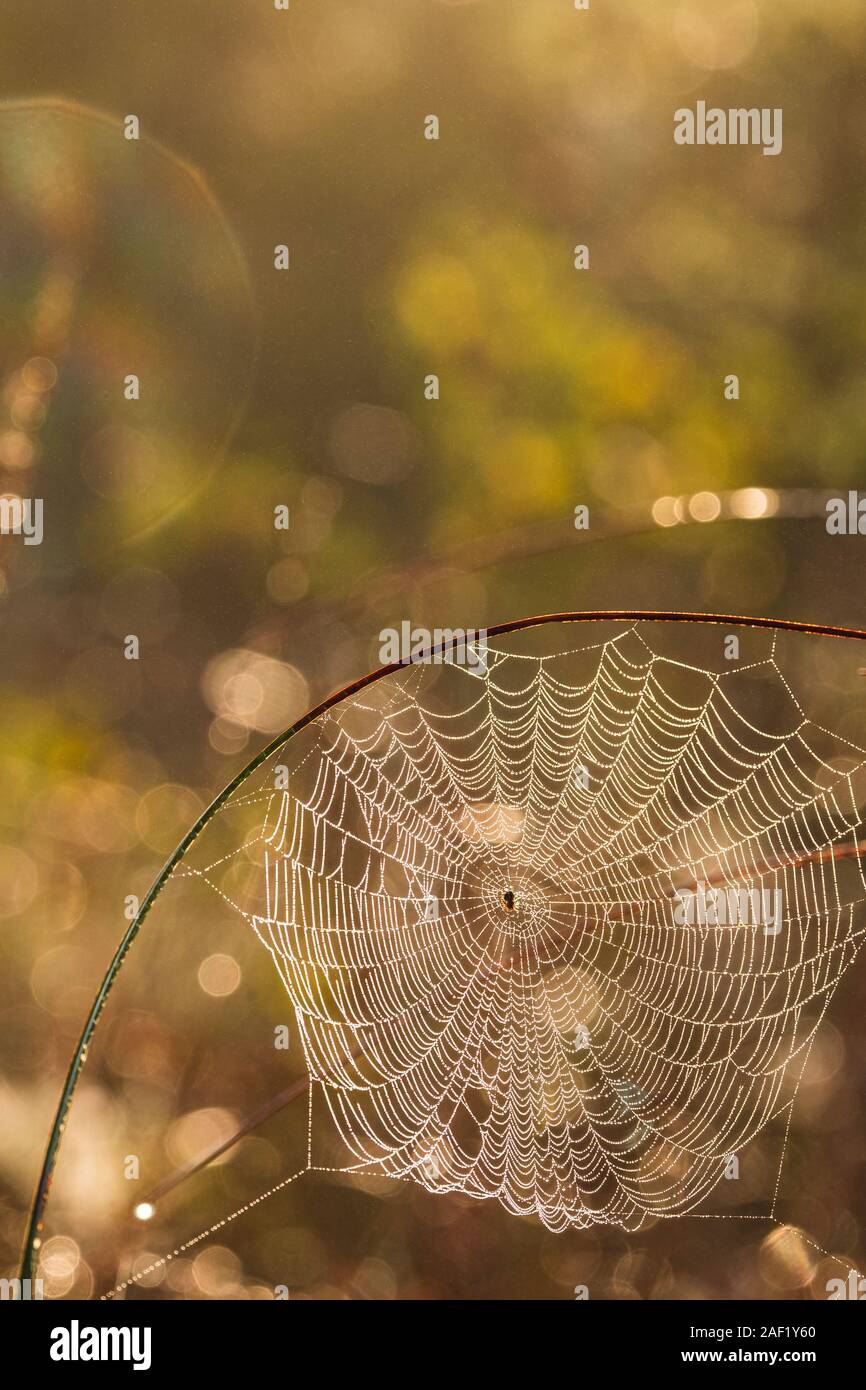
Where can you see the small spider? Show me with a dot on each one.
(508, 900)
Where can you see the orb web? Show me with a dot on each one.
(472, 886)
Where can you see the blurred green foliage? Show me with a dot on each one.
(306, 388)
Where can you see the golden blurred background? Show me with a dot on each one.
(304, 388)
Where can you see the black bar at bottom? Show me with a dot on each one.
(228, 1340)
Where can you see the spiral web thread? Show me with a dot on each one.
(579, 1055)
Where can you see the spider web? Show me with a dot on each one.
(469, 887)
